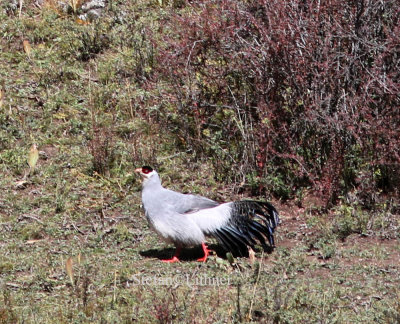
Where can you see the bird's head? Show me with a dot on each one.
(145, 172)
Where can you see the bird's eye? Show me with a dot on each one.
(146, 169)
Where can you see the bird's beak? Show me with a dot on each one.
(138, 170)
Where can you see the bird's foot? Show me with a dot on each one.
(172, 260)
(203, 259)
(206, 253)
(175, 257)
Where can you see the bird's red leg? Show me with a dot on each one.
(206, 253)
(175, 257)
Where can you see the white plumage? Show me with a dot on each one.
(185, 220)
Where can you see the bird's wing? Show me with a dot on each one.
(211, 219)
(175, 227)
(186, 203)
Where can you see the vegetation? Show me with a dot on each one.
(300, 94)
(292, 101)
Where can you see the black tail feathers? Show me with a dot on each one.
(251, 223)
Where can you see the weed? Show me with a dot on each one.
(7, 314)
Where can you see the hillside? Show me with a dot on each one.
(292, 103)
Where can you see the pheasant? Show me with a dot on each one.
(186, 219)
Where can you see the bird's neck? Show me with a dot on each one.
(152, 188)
(152, 183)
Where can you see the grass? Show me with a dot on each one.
(78, 78)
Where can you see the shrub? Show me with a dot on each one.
(304, 92)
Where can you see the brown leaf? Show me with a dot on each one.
(21, 184)
(33, 157)
(70, 269)
(252, 255)
(2, 95)
(27, 47)
(33, 241)
(82, 22)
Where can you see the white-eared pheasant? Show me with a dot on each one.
(186, 220)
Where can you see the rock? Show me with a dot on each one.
(92, 10)
(12, 6)
(94, 14)
(93, 4)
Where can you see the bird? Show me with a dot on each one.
(187, 219)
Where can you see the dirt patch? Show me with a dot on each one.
(353, 252)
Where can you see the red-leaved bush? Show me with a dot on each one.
(290, 94)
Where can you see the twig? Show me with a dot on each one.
(88, 77)
(12, 285)
(20, 8)
(77, 229)
(173, 155)
(255, 287)
(238, 303)
(116, 218)
(115, 286)
(32, 217)
(190, 53)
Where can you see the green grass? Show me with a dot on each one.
(79, 79)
